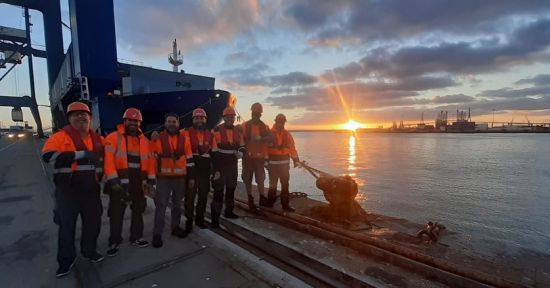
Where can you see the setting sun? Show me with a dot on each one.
(352, 125)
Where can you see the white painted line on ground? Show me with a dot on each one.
(5, 148)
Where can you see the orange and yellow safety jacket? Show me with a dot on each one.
(202, 142)
(60, 150)
(173, 155)
(256, 134)
(282, 147)
(228, 139)
(125, 153)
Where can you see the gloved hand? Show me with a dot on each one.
(266, 163)
(117, 187)
(155, 136)
(241, 150)
(191, 183)
(239, 154)
(296, 162)
(217, 175)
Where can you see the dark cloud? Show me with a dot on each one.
(348, 96)
(516, 93)
(330, 22)
(282, 90)
(253, 76)
(148, 27)
(249, 52)
(539, 80)
(454, 58)
(292, 79)
(457, 98)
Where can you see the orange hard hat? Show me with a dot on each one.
(133, 114)
(257, 107)
(280, 117)
(199, 112)
(78, 106)
(229, 111)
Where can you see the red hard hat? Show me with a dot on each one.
(199, 112)
(229, 111)
(280, 117)
(78, 106)
(133, 114)
(257, 107)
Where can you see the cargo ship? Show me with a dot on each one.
(89, 71)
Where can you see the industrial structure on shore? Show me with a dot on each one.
(462, 124)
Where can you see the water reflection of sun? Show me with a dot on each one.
(351, 125)
(351, 156)
(352, 168)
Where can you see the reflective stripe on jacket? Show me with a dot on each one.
(282, 147)
(124, 152)
(255, 137)
(173, 154)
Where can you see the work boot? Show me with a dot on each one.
(215, 223)
(64, 268)
(271, 200)
(200, 223)
(178, 232)
(94, 257)
(157, 241)
(263, 201)
(251, 204)
(230, 215)
(189, 226)
(141, 243)
(113, 250)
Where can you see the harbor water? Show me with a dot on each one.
(492, 189)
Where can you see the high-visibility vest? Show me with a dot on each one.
(282, 147)
(255, 148)
(228, 144)
(201, 146)
(69, 140)
(124, 153)
(172, 159)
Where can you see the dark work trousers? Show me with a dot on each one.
(166, 187)
(279, 172)
(69, 203)
(117, 207)
(253, 167)
(203, 171)
(228, 173)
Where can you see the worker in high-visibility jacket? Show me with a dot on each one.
(230, 143)
(202, 145)
(76, 155)
(174, 163)
(129, 171)
(280, 151)
(256, 137)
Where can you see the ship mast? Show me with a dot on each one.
(175, 57)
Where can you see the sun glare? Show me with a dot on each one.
(351, 125)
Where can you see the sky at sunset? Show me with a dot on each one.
(324, 62)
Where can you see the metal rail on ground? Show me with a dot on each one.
(431, 267)
(307, 269)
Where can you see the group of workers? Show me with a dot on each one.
(175, 164)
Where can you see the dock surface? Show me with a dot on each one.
(29, 242)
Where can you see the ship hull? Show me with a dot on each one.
(154, 106)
